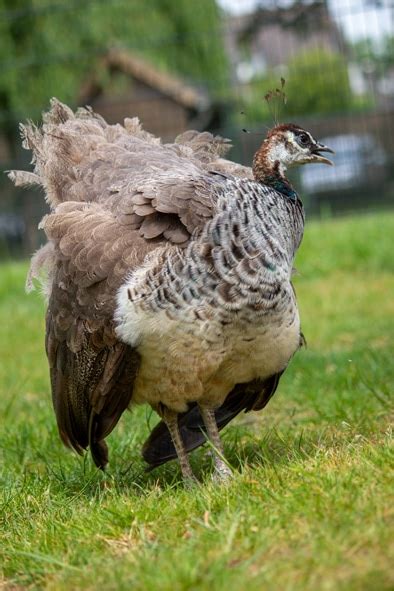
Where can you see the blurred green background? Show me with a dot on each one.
(178, 64)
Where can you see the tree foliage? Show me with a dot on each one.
(378, 56)
(317, 82)
(47, 48)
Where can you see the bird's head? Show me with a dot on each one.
(286, 146)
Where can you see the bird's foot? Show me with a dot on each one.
(190, 481)
(222, 472)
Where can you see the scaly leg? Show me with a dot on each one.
(222, 471)
(171, 420)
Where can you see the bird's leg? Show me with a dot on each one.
(222, 471)
(171, 420)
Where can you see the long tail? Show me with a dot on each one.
(159, 449)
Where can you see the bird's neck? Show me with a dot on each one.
(269, 169)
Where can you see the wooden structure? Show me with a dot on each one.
(125, 85)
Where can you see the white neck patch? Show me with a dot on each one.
(280, 153)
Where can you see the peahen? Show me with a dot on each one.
(168, 277)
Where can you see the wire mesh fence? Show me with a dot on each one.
(180, 65)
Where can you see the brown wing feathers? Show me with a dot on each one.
(91, 387)
(92, 373)
(78, 157)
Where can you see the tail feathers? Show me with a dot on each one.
(92, 385)
(159, 449)
(41, 270)
(67, 147)
(23, 178)
(97, 445)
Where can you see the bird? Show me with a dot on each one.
(167, 274)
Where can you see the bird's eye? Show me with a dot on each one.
(303, 139)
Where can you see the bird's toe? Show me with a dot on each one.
(222, 473)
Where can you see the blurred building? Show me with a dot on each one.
(270, 37)
(262, 45)
(123, 85)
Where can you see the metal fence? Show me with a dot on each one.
(259, 47)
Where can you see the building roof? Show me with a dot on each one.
(140, 69)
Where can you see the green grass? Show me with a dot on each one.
(310, 506)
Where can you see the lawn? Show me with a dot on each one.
(311, 503)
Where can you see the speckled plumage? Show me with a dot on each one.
(222, 311)
(168, 277)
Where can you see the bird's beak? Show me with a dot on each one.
(316, 151)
